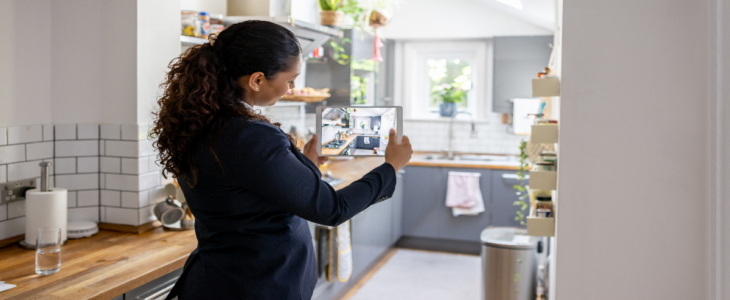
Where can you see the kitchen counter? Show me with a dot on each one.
(330, 151)
(419, 159)
(109, 263)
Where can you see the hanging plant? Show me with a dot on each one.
(338, 51)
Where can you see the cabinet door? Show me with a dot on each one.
(466, 227)
(503, 198)
(423, 201)
(397, 204)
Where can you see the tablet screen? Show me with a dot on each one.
(356, 131)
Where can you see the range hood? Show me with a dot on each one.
(310, 35)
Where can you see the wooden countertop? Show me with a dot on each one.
(419, 160)
(110, 263)
(330, 151)
(103, 266)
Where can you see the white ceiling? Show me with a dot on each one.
(538, 12)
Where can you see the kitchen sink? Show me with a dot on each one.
(471, 157)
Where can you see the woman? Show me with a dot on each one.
(250, 189)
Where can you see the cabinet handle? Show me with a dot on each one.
(513, 176)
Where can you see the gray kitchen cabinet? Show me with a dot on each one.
(397, 203)
(517, 60)
(503, 198)
(424, 205)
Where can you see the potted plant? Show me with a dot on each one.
(330, 14)
(448, 95)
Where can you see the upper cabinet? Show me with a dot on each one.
(517, 60)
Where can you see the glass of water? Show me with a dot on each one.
(48, 251)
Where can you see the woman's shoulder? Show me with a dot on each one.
(244, 127)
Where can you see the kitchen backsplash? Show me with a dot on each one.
(492, 137)
(109, 170)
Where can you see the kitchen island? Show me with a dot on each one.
(110, 263)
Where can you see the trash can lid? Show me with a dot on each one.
(508, 237)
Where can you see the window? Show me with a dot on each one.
(426, 67)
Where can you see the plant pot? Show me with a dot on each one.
(331, 18)
(447, 109)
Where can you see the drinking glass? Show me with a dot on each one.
(48, 251)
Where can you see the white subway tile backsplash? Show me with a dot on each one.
(30, 169)
(77, 148)
(164, 181)
(142, 165)
(71, 199)
(111, 131)
(130, 132)
(156, 195)
(122, 148)
(16, 209)
(153, 166)
(11, 228)
(78, 181)
(3, 174)
(146, 215)
(135, 200)
(65, 165)
(39, 150)
(12, 153)
(87, 198)
(3, 213)
(122, 182)
(111, 198)
(130, 166)
(88, 131)
(3, 136)
(102, 180)
(48, 132)
(146, 148)
(149, 180)
(25, 134)
(88, 164)
(126, 216)
(65, 132)
(84, 214)
(102, 147)
(111, 164)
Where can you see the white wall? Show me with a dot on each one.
(158, 43)
(633, 214)
(436, 19)
(25, 60)
(119, 46)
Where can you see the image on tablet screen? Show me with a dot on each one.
(356, 131)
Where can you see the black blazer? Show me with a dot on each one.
(253, 237)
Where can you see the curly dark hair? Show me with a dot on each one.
(201, 94)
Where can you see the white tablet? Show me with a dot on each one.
(357, 130)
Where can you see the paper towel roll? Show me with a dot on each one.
(43, 210)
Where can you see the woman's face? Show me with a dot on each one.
(265, 92)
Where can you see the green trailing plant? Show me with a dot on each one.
(338, 51)
(521, 187)
(329, 4)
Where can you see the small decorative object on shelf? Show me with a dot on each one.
(330, 14)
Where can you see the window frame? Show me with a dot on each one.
(412, 82)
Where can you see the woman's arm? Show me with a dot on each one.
(264, 164)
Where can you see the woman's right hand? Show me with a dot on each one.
(398, 155)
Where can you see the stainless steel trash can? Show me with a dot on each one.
(509, 264)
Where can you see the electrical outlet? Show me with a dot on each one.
(15, 190)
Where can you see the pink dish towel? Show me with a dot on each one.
(463, 190)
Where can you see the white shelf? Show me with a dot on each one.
(191, 41)
(546, 87)
(544, 134)
(543, 180)
(540, 226)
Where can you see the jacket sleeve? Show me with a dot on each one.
(264, 164)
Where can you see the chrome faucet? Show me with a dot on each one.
(450, 149)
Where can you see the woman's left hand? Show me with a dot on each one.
(310, 151)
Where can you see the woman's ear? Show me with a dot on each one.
(255, 81)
